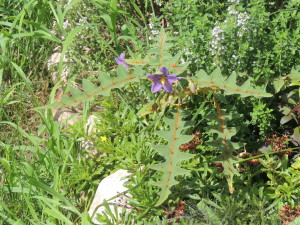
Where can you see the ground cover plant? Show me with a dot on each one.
(199, 99)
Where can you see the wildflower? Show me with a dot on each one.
(103, 138)
(234, 57)
(121, 61)
(154, 32)
(218, 37)
(242, 19)
(164, 81)
(188, 53)
(66, 24)
(151, 25)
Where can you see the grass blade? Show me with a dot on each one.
(54, 194)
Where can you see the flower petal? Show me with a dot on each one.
(168, 87)
(155, 78)
(171, 78)
(164, 80)
(121, 61)
(164, 70)
(122, 56)
(156, 87)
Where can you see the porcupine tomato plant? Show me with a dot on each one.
(174, 88)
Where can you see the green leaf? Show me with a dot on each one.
(294, 78)
(296, 221)
(90, 90)
(286, 119)
(160, 50)
(138, 60)
(85, 218)
(278, 84)
(217, 81)
(222, 140)
(175, 66)
(170, 167)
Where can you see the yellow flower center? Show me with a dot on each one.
(163, 80)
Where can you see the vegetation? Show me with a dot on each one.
(199, 99)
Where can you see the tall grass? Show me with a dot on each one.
(37, 159)
(25, 38)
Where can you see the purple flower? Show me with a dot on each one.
(164, 81)
(121, 61)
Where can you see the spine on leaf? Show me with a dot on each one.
(217, 80)
(218, 125)
(90, 90)
(170, 167)
(219, 118)
(158, 56)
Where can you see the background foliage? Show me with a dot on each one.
(48, 177)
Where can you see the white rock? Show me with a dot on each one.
(66, 116)
(91, 130)
(108, 188)
(91, 123)
(52, 64)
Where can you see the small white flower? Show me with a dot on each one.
(154, 32)
(151, 25)
(66, 24)
(218, 36)
(242, 19)
(188, 53)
